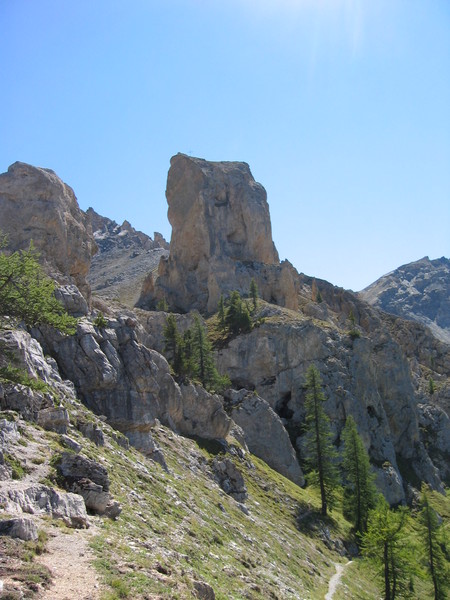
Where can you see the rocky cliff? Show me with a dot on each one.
(221, 239)
(419, 291)
(374, 365)
(35, 205)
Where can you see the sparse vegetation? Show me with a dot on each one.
(191, 355)
(9, 373)
(100, 321)
(27, 293)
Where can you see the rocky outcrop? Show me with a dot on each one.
(131, 385)
(419, 291)
(124, 258)
(221, 238)
(90, 480)
(264, 433)
(40, 499)
(21, 528)
(230, 478)
(35, 205)
(366, 377)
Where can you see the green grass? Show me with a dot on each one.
(179, 527)
(11, 374)
(360, 582)
(18, 471)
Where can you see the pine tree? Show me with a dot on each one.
(321, 454)
(203, 359)
(437, 564)
(173, 345)
(222, 324)
(359, 487)
(384, 544)
(237, 316)
(28, 294)
(254, 293)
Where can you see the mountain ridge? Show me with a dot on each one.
(112, 386)
(418, 291)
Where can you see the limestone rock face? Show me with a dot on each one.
(221, 238)
(117, 376)
(368, 378)
(264, 433)
(24, 529)
(36, 205)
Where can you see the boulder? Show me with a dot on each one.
(96, 499)
(390, 483)
(23, 529)
(54, 418)
(74, 467)
(264, 433)
(203, 591)
(41, 499)
(221, 239)
(230, 479)
(35, 205)
(90, 480)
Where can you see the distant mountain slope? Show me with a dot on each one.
(125, 256)
(419, 291)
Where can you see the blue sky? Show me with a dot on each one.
(340, 107)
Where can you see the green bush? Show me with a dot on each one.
(28, 294)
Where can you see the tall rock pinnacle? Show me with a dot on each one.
(221, 238)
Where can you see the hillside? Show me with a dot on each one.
(419, 291)
(166, 489)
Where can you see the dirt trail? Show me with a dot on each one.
(335, 580)
(69, 559)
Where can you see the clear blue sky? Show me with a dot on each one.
(340, 107)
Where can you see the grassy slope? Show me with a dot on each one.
(178, 527)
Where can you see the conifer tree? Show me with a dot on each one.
(359, 487)
(173, 345)
(254, 293)
(384, 544)
(28, 294)
(203, 359)
(321, 454)
(237, 316)
(221, 315)
(437, 564)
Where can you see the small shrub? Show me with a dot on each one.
(354, 334)
(17, 470)
(17, 375)
(100, 321)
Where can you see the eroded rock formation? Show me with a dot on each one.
(35, 205)
(221, 238)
